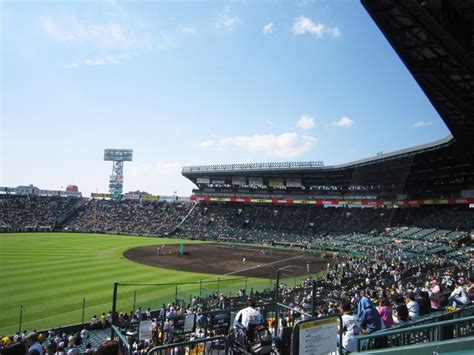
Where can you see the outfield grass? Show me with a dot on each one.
(50, 274)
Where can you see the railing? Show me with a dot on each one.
(213, 345)
(4, 224)
(254, 166)
(437, 316)
(153, 296)
(184, 219)
(309, 333)
(122, 340)
(217, 322)
(67, 214)
(428, 333)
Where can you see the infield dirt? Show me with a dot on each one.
(222, 259)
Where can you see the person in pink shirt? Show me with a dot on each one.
(435, 295)
(385, 311)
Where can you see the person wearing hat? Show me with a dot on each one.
(435, 295)
(32, 343)
(5, 340)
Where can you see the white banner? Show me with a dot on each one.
(145, 330)
(239, 180)
(203, 180)
(255, 181)
(131, 196)
(293, 182)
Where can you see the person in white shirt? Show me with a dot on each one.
(458, 297)
(94, 322)
(171, 313)
(349, 328)
(84, 333)
(248, 315)
(413, 307)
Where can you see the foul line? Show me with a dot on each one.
(263, 265)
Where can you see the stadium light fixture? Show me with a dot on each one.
(117, 156)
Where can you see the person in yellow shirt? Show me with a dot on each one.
(103, 320)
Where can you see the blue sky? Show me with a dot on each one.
(193, 82)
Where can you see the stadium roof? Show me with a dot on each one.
(305, 166)
(434, 40)
(441, 165)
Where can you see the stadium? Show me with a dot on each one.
(385, 242)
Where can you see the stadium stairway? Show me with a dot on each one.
(69, 214)
(96, 337)
(184, 219)
(4, 226)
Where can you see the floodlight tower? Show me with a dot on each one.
(118, 156)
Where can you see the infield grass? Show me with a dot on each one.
(50, 274)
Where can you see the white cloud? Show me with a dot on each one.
(110, 59)
(110, 35)
(109, 41)
(306, 122)
(206, 144)
(285, 145)
(268, 122)
(421, 124)
(163, 168)
(305, 25)
(227, 22)
(344, 122)
(268, 28)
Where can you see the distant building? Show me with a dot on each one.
(31, 190)
(72, 188)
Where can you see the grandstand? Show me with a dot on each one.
(396, 224)
(410, 174)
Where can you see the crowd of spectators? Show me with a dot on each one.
(395, 265)
(379, 292)
(245, 222)
(372, 293)
(129, 217)
(56, 343)
(301, 224)
(33, 213)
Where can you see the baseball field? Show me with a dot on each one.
(56, 279)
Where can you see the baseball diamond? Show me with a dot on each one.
(222, 259)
